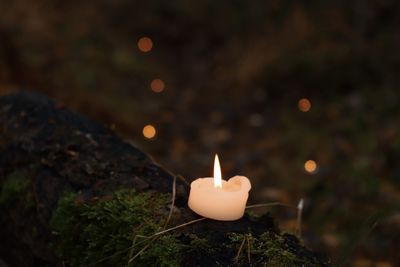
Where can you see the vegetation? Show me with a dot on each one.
(102, 232)
(112, 231)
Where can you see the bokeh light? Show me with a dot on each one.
(145, 44)
(304, 105)
(157, 85)
(310, 166)
(149, 131)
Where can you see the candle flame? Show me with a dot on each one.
(217, 173)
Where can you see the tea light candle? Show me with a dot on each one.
(217, 199)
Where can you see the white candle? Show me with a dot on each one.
(218, 199)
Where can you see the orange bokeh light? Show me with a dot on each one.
(145, 44)
(310, 166)
(304, 105)
(149, 131)
(157, 85)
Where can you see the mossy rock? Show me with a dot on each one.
(114, 230)
(101, 232)
(64, 201)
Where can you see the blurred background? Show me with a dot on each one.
(302, 98)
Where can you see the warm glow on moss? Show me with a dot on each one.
(304, 104)
(145, 44)
(149, 131)
(310, 166)
(157, 85)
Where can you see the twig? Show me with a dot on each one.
(236, 259)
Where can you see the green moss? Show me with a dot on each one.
(243, 249)
(270, 249)
(166, 252)
(101, 232)
(13, 187)
(197, 243)
(274, 248)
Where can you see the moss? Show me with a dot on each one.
(238, 249)
(269, 249)
(165, 253)
(101, 232)
(14, 187)
(274, 248)
(197, 243)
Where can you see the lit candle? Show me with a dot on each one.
(217, 199)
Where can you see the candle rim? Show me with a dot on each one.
(245, 184)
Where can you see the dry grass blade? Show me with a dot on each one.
(132, 248)
(268, 205)
(142, 250)
(152, 238)
(171, 210)
(248, 248)
(156, 235)
(236, 259)
(134, 240)
(177, 227)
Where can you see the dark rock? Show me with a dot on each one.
(57, 150)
